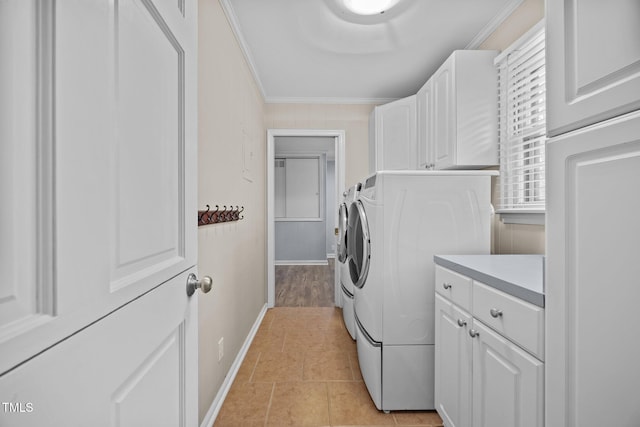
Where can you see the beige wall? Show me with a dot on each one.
(231, 139)
(353, 119)
(515, 238)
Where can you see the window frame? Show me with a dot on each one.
(514, 204)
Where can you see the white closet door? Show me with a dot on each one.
(303, 188)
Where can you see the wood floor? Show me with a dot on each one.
(305, 285)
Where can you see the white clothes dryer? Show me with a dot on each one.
(400, 220)
(346, 285)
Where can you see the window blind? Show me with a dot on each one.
(522, 124)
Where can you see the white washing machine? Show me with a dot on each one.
(346, 284)
(400, 220)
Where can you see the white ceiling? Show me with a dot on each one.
(317, 51)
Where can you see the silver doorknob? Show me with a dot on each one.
(446, 285)
(473, 333)
(203, 284)
(462, 323)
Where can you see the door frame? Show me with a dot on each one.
(339, 147)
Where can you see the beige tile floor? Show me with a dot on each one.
(302, 370)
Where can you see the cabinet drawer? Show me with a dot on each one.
(520, 321)
(454, 286)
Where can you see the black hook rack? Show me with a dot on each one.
(226, 214)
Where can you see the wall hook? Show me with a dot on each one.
(226, 214)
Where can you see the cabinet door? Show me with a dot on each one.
(453, 364)
(593, 62)
(592, 275)
(425, 126)
(396, 139)
(508, 383)
(444, 133)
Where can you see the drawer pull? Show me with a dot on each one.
(473, 333)
(495, 313)
(446, 285)
(462, 323)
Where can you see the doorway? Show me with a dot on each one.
(304, 143)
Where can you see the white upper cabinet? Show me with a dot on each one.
(593, 62)
(461, 125)
(392, 142)
(424, 103)
(451, 123)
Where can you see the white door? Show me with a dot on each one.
(98, 140)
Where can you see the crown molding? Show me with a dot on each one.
(235, 27)
(494, 24)
(326, 100)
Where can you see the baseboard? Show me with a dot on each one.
(302, 262)
(216, 405)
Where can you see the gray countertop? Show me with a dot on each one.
(519, 275)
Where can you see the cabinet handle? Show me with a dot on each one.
(473, 333)
(462, 323)
(446, 285)
(495, 312)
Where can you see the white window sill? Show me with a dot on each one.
(522, 217)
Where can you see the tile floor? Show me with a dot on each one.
(302, 370)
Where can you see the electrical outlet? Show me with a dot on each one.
(220, 348)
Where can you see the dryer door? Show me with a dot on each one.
(342, 233)
(359, 244)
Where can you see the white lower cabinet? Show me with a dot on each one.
(453, 359)
(508, 383)
(482, 378)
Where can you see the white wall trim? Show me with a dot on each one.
(494, 24)
(216, 405)
(340, 138)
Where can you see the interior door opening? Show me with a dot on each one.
(302, 215)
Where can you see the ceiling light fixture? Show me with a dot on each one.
(369, 7)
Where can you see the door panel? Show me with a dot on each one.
(424, 100)
(592, 275)
(453, 350)
(396, 126)
(443, 112)
(508, 383)
(24, 286)
(150, 114)
(593, 66)
(126, 370)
